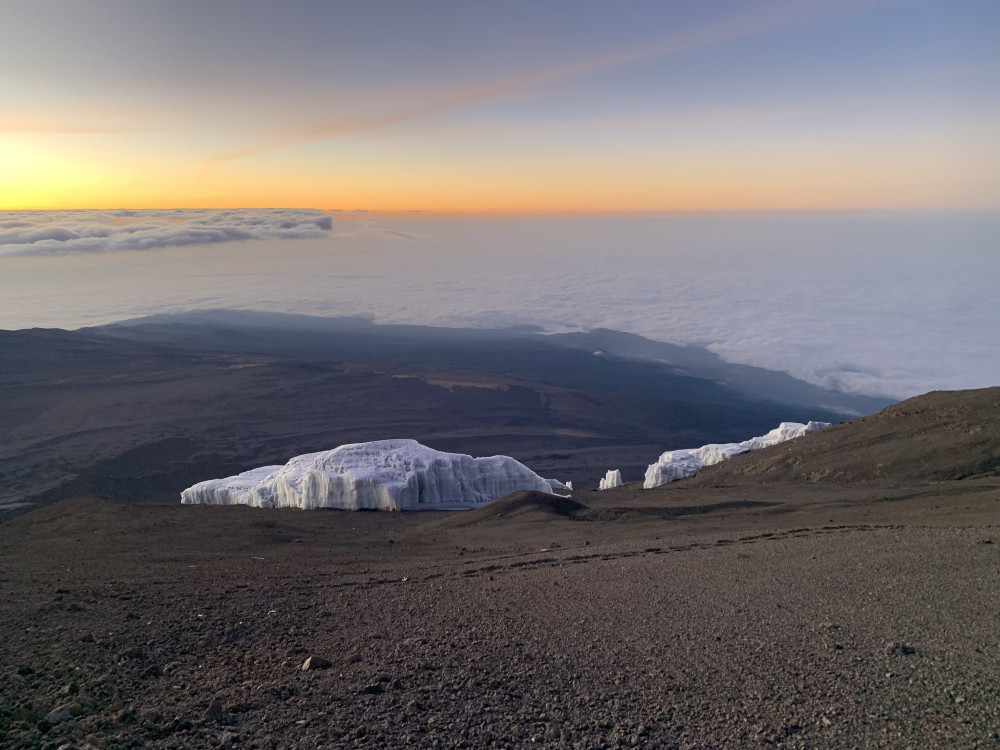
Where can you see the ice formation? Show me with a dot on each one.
(557, 485)
(611, 480)
(678, 464)
(381, 475)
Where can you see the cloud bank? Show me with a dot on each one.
(48, 233)
(888, 304)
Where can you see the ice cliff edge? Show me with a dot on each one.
(380, 475)
(678, 464)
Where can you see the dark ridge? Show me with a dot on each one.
(628, 363)
(526, 503)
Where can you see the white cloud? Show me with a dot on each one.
(48, 233)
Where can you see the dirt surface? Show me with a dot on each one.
(797, 616)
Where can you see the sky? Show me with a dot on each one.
(489, 108)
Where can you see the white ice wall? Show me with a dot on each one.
(611, 480)
(678, 464)
(381, 475)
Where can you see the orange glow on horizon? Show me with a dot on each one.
(718, 202)
(845, 176)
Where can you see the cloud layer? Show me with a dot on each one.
(47, 233)
(894, 304)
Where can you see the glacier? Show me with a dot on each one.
(678, 464)
(379, 475)
(611, 480)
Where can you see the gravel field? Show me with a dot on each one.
(769, 616)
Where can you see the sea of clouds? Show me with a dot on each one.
(34, 233)
(883, 304)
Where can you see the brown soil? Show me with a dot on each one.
(684, 617)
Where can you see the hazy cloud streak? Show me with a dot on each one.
(767, 19)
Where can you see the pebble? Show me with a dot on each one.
(898, 648)
(214, 710)
(316, 662)
(58, 715)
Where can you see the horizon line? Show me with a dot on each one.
(356, 214)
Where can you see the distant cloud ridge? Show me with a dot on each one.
(51, 233)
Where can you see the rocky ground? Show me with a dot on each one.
(769, 616)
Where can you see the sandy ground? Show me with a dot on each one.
(770, 616)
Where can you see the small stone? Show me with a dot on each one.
(316, 662)
(227, 739)
(383, 677)
(214, 711)
(59, 714)
(354, 658)
(898, 648)
(374, 689)
(180, 723)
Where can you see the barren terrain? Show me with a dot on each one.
(761, 603)
(773, 616)
(142, 414)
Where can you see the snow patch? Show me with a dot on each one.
(380, 475)
(678, 464)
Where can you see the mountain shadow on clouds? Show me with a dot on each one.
(602, 359)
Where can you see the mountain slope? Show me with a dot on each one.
(938, 436)
(84, 413)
